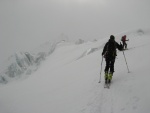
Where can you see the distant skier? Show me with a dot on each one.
(110, 53)
(123, 39)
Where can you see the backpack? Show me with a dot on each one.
(110, 49)
(123, 38)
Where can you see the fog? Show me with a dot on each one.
(25, 24)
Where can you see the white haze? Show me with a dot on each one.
(25, 24)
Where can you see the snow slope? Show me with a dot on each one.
(67, 81)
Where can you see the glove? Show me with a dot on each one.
(121, 46)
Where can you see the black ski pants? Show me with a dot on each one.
(109, 65)
(124, 44)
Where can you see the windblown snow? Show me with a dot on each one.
(62, 77)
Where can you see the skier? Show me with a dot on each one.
(123, 39)
(109, 53)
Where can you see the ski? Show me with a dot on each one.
(106, 85)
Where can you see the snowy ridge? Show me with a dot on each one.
(22, 64)
(19, 64)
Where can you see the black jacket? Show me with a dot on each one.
(111, 54)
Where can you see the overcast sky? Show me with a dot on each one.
(25, 24)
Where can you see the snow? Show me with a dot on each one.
(67, 80)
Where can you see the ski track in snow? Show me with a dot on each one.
(103, 101)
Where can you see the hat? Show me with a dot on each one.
(112, 37)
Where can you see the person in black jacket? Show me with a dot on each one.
(110, 53)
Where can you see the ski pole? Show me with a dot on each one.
(101, 70)
(125, 61)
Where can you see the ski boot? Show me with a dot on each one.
(110, 77)
(106, 77)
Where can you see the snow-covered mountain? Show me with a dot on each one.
(21, 64)
(67, 79)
